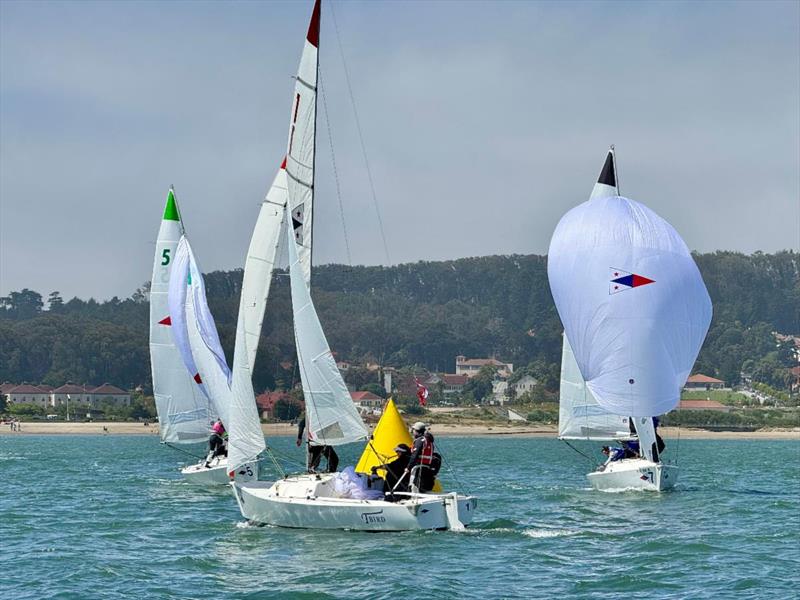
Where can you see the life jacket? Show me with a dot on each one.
(426, 455)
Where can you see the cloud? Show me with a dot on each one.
(483, 124)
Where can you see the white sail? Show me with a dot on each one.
(646, 431)
(632, 302)
(245, 438)
(331, 416)
(184, 411)
(580, 417)
(301, 144)
(260, 262)
(190, 307)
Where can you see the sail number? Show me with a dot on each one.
(165, 257)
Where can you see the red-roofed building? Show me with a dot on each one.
(703, 405)
(703, 382)
(453, 384)
(471, 366)
(266, 403)
(367, 402)
(111, 394)
(77, 395)
(28, 394)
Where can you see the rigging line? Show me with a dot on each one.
(182, 450)
(452, 472)
(335, 172)
(586, 456)
(274, 461)
(360, 136)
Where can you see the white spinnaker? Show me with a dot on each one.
(331, 415)
(184, 411)
(245, 438)
(580, 417)
(301, 145)
(203, 341)
(634, 344)
(260, 263)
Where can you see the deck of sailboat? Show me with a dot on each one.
(310, 501)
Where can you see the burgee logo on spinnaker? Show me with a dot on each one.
(624, 280)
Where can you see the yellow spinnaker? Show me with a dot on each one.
(390, 431)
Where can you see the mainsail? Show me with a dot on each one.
(632, 301)
(331, 416)
(300, 148)
(184, 411)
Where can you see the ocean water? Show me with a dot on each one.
(109, 517)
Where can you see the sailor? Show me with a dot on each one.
(316, 452)
(631, 448)
(422, 455)
(395, 477)
(217, 442)
(612, 455)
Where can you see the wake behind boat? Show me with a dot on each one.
(635, 312)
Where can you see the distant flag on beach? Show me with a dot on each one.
(422, 392)
(623, 280)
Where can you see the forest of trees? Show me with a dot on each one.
(421, 314)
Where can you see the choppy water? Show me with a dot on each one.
(109, 517)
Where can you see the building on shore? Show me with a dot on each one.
(703, 382)
(472, 366)
(43, 396)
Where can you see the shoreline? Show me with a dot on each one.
(444, 430)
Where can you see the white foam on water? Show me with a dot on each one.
(548, 533)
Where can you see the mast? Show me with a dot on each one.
(316, 20)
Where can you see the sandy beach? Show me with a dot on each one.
(281, 429)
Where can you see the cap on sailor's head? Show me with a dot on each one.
(419, 426)
(402, 448)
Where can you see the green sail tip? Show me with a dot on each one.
(171, 209)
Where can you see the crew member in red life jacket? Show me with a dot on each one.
(422, 454)
(216, 443)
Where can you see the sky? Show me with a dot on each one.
(483, 123)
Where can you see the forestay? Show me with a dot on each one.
(301, 146)
(259, 264)
(184, 410)
(331, 416)
(632, 302)
(579, 414)
(189, 310)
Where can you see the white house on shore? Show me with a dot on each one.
(471, 366)
(77, 395)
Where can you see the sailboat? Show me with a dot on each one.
(635, 312)
(196, 338)
(312, 500)
(185, 411)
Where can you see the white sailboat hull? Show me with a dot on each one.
(634, 474)
(308, 501)
(217, 472)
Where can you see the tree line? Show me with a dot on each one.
(421, 314)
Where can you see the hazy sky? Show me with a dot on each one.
(483, 123)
